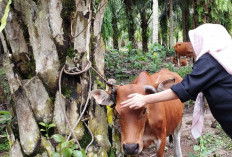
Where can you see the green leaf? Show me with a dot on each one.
(83, 152)
(3, 116)
(5, 112)
(72, 141)
(73, 146)
(58, 147)
(67, 152)
(196, 148)
(64, 144)
(192, 155)
(43, 124)
(42, 130)
(46, 135)
(55, 154)
(58, 138)
(4, 18)
(51, 125)
(77, 153)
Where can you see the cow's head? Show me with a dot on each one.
(132, 121)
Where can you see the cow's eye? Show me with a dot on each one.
(145, 110)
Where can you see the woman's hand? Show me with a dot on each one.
(136, 101)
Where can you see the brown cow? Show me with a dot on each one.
(184, 49)
(153, 123)
(183, 61)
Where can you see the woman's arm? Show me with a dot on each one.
(137, 100)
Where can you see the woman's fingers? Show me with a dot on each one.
(128, 103)
(135, 101)
(129, 100)
(132, 95)
(135, 108)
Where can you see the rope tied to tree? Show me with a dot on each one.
(76, 71)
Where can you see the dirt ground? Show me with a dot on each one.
(187, 140)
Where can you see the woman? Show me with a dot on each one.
(211, 75)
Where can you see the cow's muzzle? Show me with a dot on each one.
(131, 149)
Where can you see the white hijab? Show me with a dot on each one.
(215, 40)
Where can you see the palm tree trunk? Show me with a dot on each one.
(144, 27)
(185, 20)
(171, 23)
(155, 29)
(206, 11)
(195, 14)
(164, 24)
(131, 25)
(44, 38)
(114, 24)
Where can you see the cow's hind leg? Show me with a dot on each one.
(169, 141)
(176, 138)
(178, 60)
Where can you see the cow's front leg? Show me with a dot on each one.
(160, 146)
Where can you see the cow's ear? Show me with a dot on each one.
(166, 84)
(101, 97)
(149, 89)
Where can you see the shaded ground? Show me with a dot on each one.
(187, 141)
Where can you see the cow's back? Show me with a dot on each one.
(184, 49)
(173, 108)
